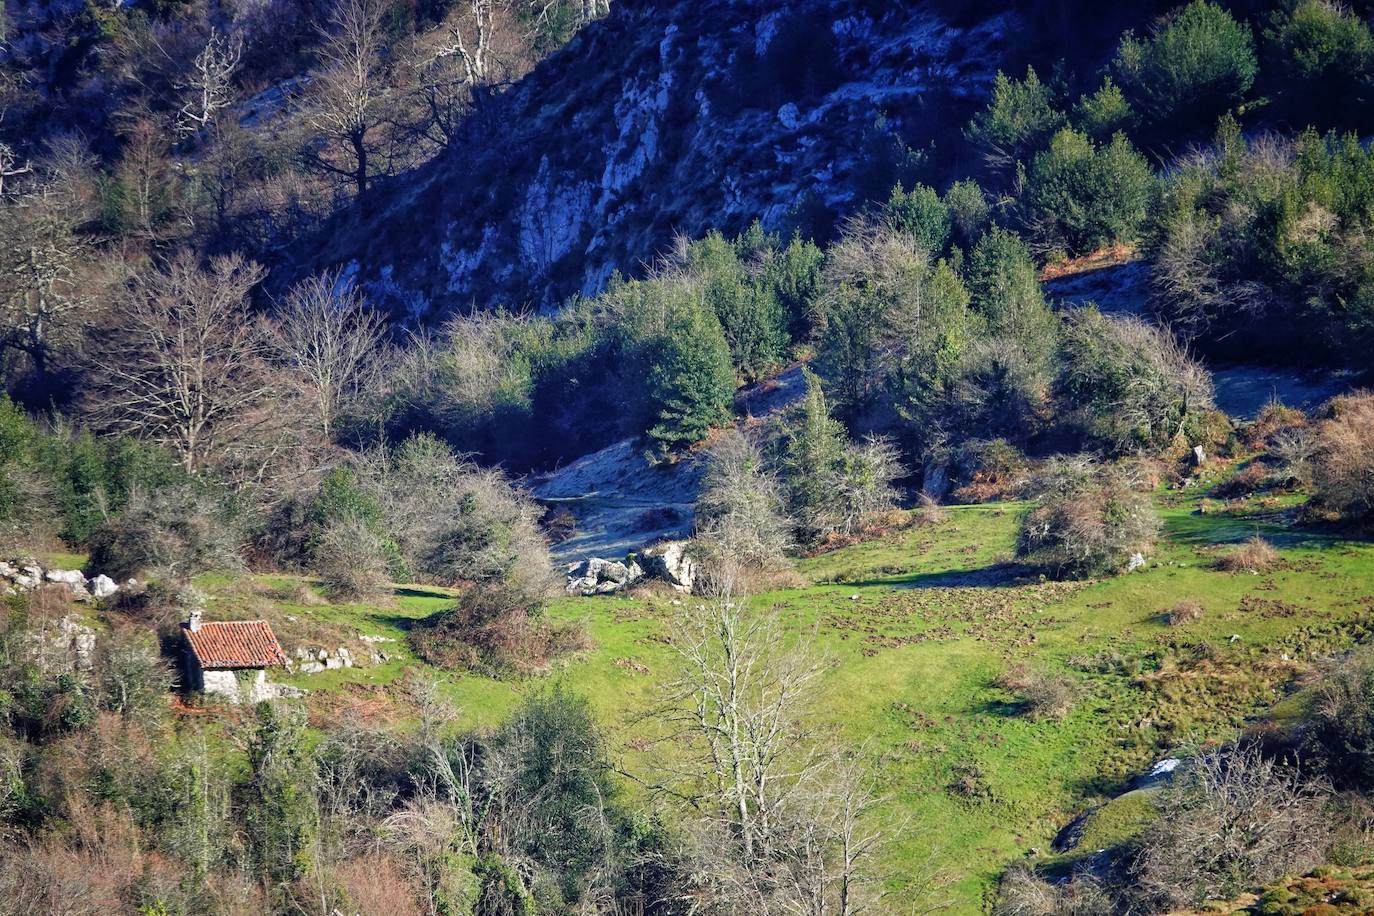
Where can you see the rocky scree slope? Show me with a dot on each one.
(663, 118)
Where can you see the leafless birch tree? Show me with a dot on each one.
(329, 340)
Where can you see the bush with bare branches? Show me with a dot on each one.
(1230, 820)
(1043, 695)
(1343, 467)
(1087, 520)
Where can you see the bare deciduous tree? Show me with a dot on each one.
(329, 339)
(208, 88)
(41, 259)
(186, 367)
(782, 827)
(740, 507)
(349, 94)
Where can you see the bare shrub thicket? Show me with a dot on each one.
(1343, 471)
(1338, 732)
(1023, 893)
(1087, 520)
(740, 508)
(1043, 695)
(351, 560)
(172, 533)
(454, 522)
(1230, 820)
(1135, 386)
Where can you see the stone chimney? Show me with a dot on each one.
(193, 622)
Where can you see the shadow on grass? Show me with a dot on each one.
(1221, 529)
(1001, 575)
(412, 591)
(402, 622)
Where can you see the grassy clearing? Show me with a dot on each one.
(919, 626)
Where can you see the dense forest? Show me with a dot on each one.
(208, 388)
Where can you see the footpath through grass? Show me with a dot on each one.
(917, 626)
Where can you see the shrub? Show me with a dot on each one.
(1197, 62)
(173, 533)
(968, 211)
(921, 214)
(1004, 290)
(1337, 734)
(1001, 391)
(739, 508)
(134, 679)
(551, 776)
(751, 317)
(831, 485)
(793, 274)
(1132, 383)
(1229, 821)
(454, 523)
(1018, 117)
(351, 560)
(1079, 196)
(691, 379)
(1023, 893)
(1043, 695)
(490, 631)
(1254, 556)
(1183, 612)
(1343, 469)
(1087, 521)
(1105, 112)
(1322, 51)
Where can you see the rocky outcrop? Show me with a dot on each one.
(671, 563)
(597, 576)
(660, 119)
(24, 575)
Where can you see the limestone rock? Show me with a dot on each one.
(598, 576)
(102, 586)
(673, 563)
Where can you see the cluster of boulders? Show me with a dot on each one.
(314, 660)
(17, 576)
(670, 562)
(598, 576)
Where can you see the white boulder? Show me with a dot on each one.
(673, 563)
(102, 586)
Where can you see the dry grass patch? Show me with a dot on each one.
(1254, 556)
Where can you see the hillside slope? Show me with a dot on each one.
(665, 119)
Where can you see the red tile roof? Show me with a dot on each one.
(235, 644)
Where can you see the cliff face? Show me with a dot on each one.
(665, 118)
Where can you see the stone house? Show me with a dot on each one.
(228, 660)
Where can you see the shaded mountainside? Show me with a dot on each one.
(665, 119)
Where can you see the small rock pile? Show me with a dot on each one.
(19, 576)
